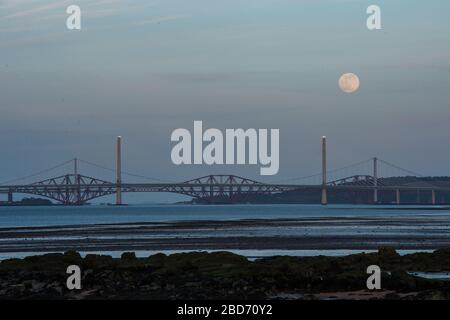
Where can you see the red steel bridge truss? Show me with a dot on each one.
(74, 189)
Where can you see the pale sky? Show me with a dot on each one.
(141, 69)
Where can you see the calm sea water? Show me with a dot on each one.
(96, 214)
(409, 221)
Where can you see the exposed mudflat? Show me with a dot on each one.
(309, 233)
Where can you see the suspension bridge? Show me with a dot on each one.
(77, 189)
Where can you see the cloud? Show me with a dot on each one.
(37, 16)
(37, 9)
(159, 20)
(46, 10)
(6, 4)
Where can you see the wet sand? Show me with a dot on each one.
(352, 233)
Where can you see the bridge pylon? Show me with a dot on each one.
(119, 171)
(375, 180)
(324, 199)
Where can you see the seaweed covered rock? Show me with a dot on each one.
(128, 256)
(221, 275)
(72, 256)
(387, 253)
(205, 259)
(94, 261)
(48, 262)
(156, 260)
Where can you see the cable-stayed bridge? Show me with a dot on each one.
(372, 176)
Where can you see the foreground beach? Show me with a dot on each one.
(277, 267)
(223, 275)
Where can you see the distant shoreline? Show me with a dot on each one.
(27, 202)
(384, 206)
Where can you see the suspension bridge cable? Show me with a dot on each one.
(124, 172)
(38, 173)
(401, 169)
(328, 171)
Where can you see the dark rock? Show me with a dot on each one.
(156, 260)
(401, 279)
(219, 275)
(387, 253)
(72, 256)
(128, 256)
(93, 261)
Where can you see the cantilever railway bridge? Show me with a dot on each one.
(77, 189)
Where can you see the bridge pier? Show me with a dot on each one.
(433, 197)
(397, 196)
(10, 197)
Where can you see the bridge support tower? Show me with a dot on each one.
(433, 197)
(375, 180)
(119, 171)
(324, 199)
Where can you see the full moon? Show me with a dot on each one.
(349, 82)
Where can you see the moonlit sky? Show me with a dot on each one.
(143, 68)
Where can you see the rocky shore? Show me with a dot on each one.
(223, 275)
